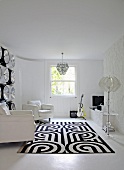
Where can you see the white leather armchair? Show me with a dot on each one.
(40, 111)
(17, 126)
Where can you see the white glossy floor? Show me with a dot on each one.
(11, 160)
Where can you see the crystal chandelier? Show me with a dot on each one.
(62, 67)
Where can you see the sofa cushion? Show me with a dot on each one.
(4, 109)
(35, 102)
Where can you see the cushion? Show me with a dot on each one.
(35, 102)
(4, 109)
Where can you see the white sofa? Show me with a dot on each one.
(40, 110)
(17, 126)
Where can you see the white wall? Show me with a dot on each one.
(32, 82)
(29, 83)
(114, 65)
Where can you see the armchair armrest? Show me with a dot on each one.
(21, 112)
(17, 118)
(32, 107)
(47, 107)
(18, 126)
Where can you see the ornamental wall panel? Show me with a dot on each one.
(7, 78)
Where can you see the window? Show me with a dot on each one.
(63, 85)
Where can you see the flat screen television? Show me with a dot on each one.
(97, 100)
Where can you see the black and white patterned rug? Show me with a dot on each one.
(66, 137)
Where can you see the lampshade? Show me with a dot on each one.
(109, 84)
(62, 67)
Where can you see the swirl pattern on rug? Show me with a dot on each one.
(66, 137)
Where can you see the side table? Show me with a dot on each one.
(112, 123)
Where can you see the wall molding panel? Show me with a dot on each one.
(7, 78)
(114, 66)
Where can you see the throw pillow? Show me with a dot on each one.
(4, 109)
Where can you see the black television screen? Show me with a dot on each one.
(97, 100)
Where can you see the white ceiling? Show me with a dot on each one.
(43, 29)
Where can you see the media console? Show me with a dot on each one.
(100, 118)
